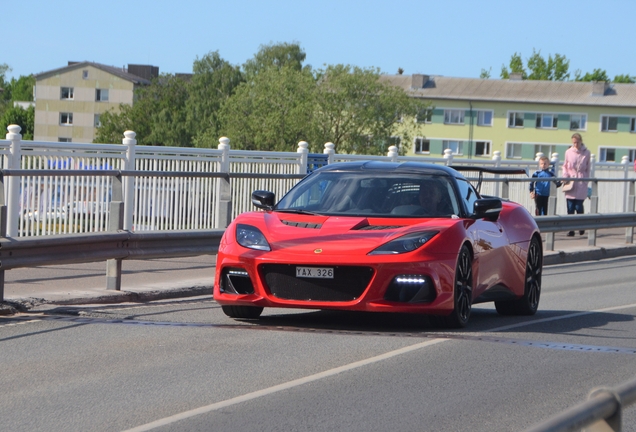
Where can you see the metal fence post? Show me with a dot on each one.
(393, 153)
(223, 187)
(3, 230)
(631, 202)
(13, 192)
(303, 149)
(129, 182)
(591, 234)
(497, 158)
(448, 157)
(330, 152)
(115, 223)
(626, 167)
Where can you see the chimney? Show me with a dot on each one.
(418, 81)
(516, 76)
(599, 88)
(144, 71)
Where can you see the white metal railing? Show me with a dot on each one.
(72, 204)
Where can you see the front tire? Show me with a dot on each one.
(529, 303)
(242, 311)
(462, 291)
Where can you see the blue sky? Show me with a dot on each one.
(443, 37)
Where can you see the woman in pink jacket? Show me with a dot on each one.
(577, 165)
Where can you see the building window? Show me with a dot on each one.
(84, 74)
(456, 146)
(425, 116)
(547, 121)
(484, 118)
(547, 150)
(513, 151)
(101, 95)
(632, 125)
(482, 148)
(578, 121)
(515, 119)
(97, 122)
(422, 145)
(66, 118)
(609, 123)
(607, 155)
(64, 139)
(632, 155)
(453, 116)
(66, 93)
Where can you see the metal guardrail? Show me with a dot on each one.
(589, 222)
(601, 412)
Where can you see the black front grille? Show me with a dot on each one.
(348, 283)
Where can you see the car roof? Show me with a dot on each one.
(392, 168)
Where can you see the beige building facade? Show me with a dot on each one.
(70, 100)
(519, 118)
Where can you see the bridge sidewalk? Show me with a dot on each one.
(147, 280)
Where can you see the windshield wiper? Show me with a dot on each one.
(296, 211)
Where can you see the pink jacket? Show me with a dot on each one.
(577, 164)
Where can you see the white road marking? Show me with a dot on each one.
(281, 387)
(295, 383)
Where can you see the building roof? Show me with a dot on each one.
(117, 71)
(516, 90)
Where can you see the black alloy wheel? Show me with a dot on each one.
(529, 302)
(463, 290)
(242, 311)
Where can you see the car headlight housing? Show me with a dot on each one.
(406, 243)
(251, 237)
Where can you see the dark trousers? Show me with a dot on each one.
(575, 205)
(542, 205)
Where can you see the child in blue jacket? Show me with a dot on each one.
(540, 190)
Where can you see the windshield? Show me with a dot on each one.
(373, 194)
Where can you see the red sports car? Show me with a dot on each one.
(382, 237)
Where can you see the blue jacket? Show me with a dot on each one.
(542, 188)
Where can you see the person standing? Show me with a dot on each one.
(577, 164)
(540, 190)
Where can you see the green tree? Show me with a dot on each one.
(114, 123)
(280, 55)
(25, 118)
(213, 83)
(158, 115)
(358, 112)
(595, 75)
(273, 112)
(538, 68)
(22, 88)
(515, 66)
(625, 79)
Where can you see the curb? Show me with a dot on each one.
(25, 304)
(596, 254)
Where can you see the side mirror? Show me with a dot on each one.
(487, 208)
(263, 199)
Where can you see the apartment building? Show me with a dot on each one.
(70, 100)
(519, 118)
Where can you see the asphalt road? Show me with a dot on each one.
(181, 365)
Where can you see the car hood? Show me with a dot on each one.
(303, 234)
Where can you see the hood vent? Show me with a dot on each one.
(302, 224)
(379, 227)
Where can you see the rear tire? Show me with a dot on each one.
(529, 303)
(242, 311)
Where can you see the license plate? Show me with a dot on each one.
(315, 272)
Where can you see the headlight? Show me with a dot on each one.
(406, 243)
(251, 237)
